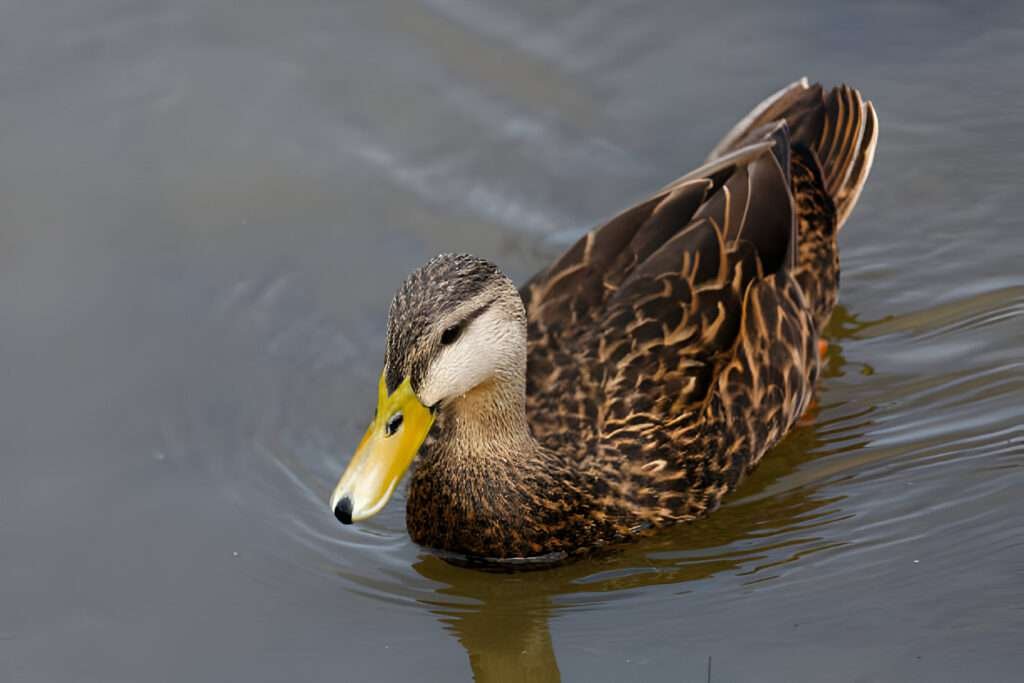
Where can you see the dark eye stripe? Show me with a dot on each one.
(455, 331)
(451, 334)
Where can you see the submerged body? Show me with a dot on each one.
(632, 383)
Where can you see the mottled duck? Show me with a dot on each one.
(634, 382)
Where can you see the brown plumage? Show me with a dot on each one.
(667, 350)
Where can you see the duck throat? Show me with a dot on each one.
(489, 419)
(482, 443)
(476, 482)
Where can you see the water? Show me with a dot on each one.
(207, 206)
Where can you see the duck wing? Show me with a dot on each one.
(689, 322)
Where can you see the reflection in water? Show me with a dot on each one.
(502, 620)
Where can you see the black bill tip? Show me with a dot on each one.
(343, 510)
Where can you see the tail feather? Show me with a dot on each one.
(847, 196)
(838, 126)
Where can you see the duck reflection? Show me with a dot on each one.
(502, 619)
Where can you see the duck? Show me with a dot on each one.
(634, 382)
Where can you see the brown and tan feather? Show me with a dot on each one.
(670, 348)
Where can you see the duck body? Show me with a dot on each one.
(634, 382)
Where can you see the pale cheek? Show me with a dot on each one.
(455, 372)
(488, 344)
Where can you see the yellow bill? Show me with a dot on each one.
(385, 453)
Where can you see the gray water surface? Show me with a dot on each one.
(205, 208)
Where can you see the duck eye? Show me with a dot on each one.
(393, 424)
(451, 334)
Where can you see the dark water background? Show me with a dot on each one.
(206, 206)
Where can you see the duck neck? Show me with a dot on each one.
(490, 420)
(482, 478)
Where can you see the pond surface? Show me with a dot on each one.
(206, 207)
